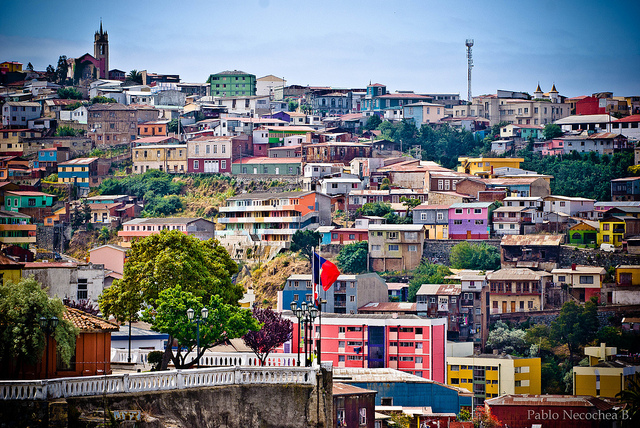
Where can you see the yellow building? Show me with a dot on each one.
(489, 376)
(11, 66)
(628, 275)
(171, 158)
(483, 167)
(10, 270)
(612, 230)
(604, 377)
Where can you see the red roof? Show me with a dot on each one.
(632, 118)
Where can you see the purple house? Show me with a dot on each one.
(470, 220)
(282, 115)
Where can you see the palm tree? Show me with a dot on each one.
(104, 234)
(630, 414)
(135, 76)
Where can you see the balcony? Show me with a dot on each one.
(466, 302)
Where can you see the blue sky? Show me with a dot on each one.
(582, 46)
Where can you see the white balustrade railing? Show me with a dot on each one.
(211, 359)
(154, 381)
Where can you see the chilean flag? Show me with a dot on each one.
(325, 273)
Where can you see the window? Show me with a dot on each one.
(458, 210)
(413, 248)
(196, 164)
(561, 278)
(341, 359)
(455, 381)
(423, 216)
(341, 329)
(586, 279)
(363, 415)
(392, 235)
(375, 248)
(352, 298)
(477, 211)
(455, 368)
(82, 289)
(393, 247)
(295, 297)
(457, 221)
(440, 216)
(418, 360)
(341, 344)
(479, 221)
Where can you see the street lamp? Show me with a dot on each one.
(204, 313)
(298, 314)
(306, 313)
(48, 325)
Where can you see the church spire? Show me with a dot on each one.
(101, 26)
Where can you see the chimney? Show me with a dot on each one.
(573, 266)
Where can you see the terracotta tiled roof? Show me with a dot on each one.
(86, 322)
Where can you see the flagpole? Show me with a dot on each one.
(313, 280)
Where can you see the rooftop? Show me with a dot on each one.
(86, 322)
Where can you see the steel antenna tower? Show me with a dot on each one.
(469, 44)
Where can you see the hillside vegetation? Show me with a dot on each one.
(267, 279)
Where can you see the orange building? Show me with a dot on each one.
(152, 129)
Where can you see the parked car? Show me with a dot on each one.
(609, 248)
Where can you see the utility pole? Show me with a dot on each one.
(469, 44)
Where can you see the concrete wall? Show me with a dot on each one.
(233, 406)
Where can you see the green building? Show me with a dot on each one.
(585, 232)
(17, 200)
(267, 166)
(233, 83)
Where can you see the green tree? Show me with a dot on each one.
(353, 257)
(410, 203)
(159, 206)
(21, 338)
(67, 131)
(104, 234)
(51, 73)
(224, 322)
(69, 93)
(401, 420)
(293, 105)
(103, 100)
(378, 209)
(139, 185)
(575, 326)
(551, 130)
(385, 184)
(166, 260)
(427, 273)
(135, 76)
(372, 122)
(511, 341)
(474, 256)
(304, 241)
(172, 126)
(62, 69)
(30, 67)
(630, 397)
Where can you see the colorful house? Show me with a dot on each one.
(435, 218)
(612, 230)
(16, 229)
(10, 270)
(489, 376)
(78, 171)
(605, 376)
(400, 389)
(354, 407)
(404, 342)
(583, 233)
(267, 166)
(484, 167)
(584, 282)
(17, 200)
(470, 220)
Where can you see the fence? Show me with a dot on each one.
(154, 381)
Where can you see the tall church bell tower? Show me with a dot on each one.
(101, 51)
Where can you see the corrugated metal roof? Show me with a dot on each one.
(544, 240)
(517, 273)
(549, 400)
(345, 389)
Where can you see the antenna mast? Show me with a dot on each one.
(469, 44)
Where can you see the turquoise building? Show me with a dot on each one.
(232, 83)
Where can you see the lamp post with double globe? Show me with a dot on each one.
(191, 314)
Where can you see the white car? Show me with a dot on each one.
(609, 248)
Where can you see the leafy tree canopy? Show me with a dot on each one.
(158, 182)
(102, 100)
(551, 130)
(427, 273)
(274, 332)
(224, 321)
(70, 93)
(304, 241)
(576, 325)
(135, 76)
(353, 257)
(21, 338)
(503, 338)
(67, 131)
(585, 176)
(293, 105)
(474, 256)
(379, 209)
(372, 122)
(160, 206)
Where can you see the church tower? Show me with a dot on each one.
(101, 51)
